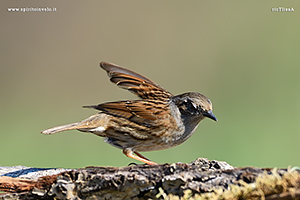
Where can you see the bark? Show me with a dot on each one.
(199, 179)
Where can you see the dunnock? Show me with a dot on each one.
(158, 121)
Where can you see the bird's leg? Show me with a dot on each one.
(138, 156)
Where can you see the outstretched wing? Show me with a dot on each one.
(143, 112)
(135, 83)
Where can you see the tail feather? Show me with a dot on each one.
(95, 124)
(61, 128)
(91, 106)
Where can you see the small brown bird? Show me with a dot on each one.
(158, 121)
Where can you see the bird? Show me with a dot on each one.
(158, 120)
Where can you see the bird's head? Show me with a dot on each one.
(194, 105)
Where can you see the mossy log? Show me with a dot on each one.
(200, 179)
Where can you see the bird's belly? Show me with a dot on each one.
(164, 142)
(177, 137)
(140, 145)
(163, 137)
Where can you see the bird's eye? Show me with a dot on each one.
(194, 105)
(189, 107)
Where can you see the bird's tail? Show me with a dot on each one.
(61, 128)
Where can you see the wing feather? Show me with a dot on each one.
(144, 112)
(135, 83)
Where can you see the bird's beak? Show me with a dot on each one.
(210, 115)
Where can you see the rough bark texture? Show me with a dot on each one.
(200, 179)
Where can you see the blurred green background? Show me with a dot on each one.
(241, 55)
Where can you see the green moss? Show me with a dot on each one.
(264, 185)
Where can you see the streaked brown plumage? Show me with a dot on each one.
(158, 121)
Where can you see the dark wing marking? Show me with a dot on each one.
(135, 83)
(144, 112)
